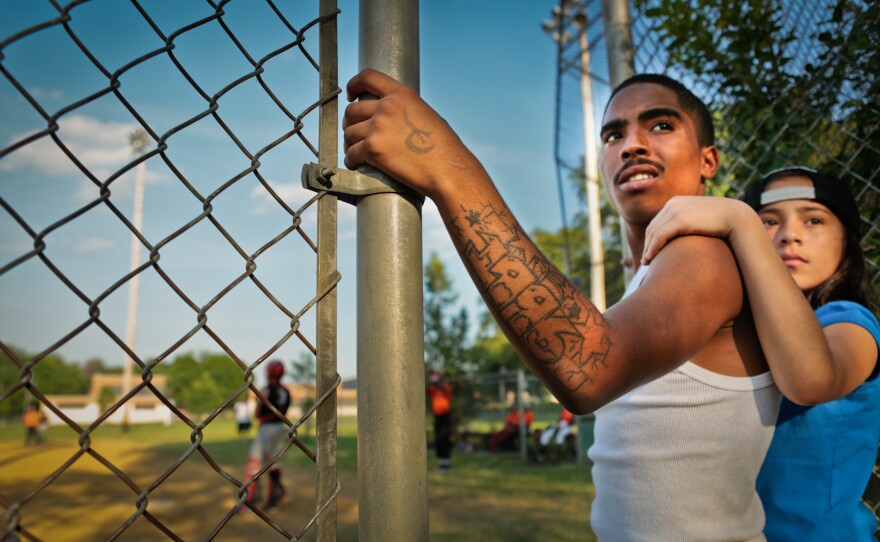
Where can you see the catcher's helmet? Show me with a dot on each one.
(275, 369)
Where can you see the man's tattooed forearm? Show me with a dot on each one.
(537, 302)
(418, 141)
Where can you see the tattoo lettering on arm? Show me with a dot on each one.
(418, 141)
(545, 310)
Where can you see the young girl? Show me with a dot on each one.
(826, 438)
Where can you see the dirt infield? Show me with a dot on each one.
(89, 502)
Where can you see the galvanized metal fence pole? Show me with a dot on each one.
(521, 405)
(326, 367)
(617, 28)
(392, 466)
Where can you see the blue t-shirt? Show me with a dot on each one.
(821, 457)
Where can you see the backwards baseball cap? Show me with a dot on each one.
(827, 190)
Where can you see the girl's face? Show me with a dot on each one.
(808, 236)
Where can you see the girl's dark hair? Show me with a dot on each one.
(849, 282)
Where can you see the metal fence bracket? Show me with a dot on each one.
(349, 186)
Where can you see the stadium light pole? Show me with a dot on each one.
(138, 139)
(572, 12)
(591, 168)
(556, 29)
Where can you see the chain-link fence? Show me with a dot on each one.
(489, 409)
(222, 103)
(492, 412)
(789, 82)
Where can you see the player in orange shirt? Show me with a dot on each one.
(440, 393)
(32, 419)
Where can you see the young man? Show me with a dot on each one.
(690, 405)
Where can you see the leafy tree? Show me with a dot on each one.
(51, 376)
(106, 397)
(303, 370)
(202, 384)
(446, 340)
(10, 375)
(224, 371)
(738, 51)
(491, 351)
(93, 366)
(783, 94)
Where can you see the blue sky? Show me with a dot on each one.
(487, 67)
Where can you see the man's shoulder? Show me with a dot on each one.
(693, 277)
(695, 247)
(694, 261)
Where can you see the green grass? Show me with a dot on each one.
(486, 496)
(498, 497)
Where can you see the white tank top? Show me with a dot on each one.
(677, 458)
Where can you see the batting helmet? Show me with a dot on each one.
(275, 369)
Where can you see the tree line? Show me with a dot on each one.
(198, 383)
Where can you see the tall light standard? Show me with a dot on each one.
(591, 167)
(139, 140)
(574, 12)
(556, 29)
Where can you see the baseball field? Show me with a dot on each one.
(71, 496)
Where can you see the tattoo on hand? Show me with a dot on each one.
(535, 300)
(418, 141)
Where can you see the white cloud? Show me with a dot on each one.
(41, 93)
(121, 188)
(435, 236)
(87, 245)
(293, 194)
(101, 146)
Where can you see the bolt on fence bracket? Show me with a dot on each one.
(349, 186)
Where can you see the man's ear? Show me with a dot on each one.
(709, 162)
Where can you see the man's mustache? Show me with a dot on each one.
(636, 162)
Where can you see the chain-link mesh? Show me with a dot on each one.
(789, 82)
(228, 98)
(482, 406)
(816, 105)
(482, 401)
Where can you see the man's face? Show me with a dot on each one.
(650, 152)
